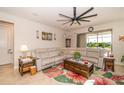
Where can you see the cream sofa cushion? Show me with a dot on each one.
(102, 52)
(51, 49)
(94, 60)
(59, 58)
(92, 52)
(41, 53)
(54, 53)
(64, 51)
(44, 55)
(82, 51)
(93, 49)
(47, 61)
(41, 50)
(71, 51)
(67, 56)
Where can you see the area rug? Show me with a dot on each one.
(53, 72)
(100, 76)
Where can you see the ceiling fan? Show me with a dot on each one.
(77, 19)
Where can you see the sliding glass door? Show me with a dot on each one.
(102, 39)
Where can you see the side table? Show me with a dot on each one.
(109, 63)
(25, 64)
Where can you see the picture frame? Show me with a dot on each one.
(54, 36)
(46, 36)
(43, 35)
(49, 36)
(68, 42)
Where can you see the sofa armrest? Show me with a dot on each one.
(38, 64)
(100, 62)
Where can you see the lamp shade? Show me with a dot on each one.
(24, 48)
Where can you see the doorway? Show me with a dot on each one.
(6, 43)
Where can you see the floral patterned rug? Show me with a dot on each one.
(100, 76)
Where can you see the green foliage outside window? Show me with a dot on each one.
(100, 44)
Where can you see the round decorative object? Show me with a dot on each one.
(37, 34)
(90, 29)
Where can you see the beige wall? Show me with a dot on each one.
(118, 29)
(25, 33)
(82, 40)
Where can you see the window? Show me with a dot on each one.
(101, 39)
(91, 38)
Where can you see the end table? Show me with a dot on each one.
(25, 66)
(109, 63)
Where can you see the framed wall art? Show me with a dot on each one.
(54, 36)
(49, 36)
(68, 42)
(46, 36)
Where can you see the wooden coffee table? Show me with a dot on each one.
(79, 67)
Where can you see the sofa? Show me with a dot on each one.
(93, 55)
(48, 57)
(52, 56)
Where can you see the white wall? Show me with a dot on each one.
(118, 29)
(25, 33)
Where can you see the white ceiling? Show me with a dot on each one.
(49, 15)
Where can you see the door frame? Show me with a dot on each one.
(5, 22)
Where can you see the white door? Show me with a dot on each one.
(6, 43)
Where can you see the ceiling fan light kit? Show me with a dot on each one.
(77, 19)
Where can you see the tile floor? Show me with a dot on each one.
(10, 77)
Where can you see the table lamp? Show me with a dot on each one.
(24, 49)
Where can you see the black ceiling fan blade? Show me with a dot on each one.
(74, 11)
(78, 22)
(88, 16)
(72, 23)
(66, 22)
(65, 16)
(85, 20)
(85, 12)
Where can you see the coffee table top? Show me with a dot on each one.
(79, 62)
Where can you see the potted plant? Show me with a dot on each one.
(77, 55)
